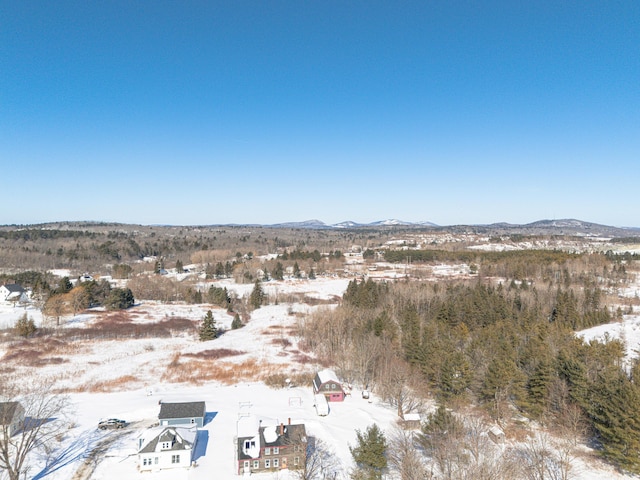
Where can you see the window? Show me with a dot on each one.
(267, 451)
(267, 464)
(166, 445)
(275, 462)
(296, 460)
(193, 420)
(276, 450)
(296, 448)
(256, 464)
(246, 464)
(155, 460)
(333, 386)
(175, 458)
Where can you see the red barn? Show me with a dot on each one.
(326, 382)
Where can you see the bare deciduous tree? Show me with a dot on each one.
(399, 385)
(319, 462)
(405, 456)
(39, 424)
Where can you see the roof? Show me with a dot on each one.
(182, 410)
(14, 288)
(293, 435)
(180, 438)
(8, 411)
(327, 375)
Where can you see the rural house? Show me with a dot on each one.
(11, 417)
(162, 447)
(12, 292)
(270, 447)
(326, 382)
(185, 413)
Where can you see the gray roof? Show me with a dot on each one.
(182, 410)
(14, 288)
(8, 411)
(172, 436)
(293, 435)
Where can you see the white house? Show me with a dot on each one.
(12, 292)
(166, 447)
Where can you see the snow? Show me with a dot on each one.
(628, 331)
(232, 410)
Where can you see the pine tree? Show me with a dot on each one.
(237, 323)
(312, 274)
(257, 295)
(296, 270)
(278, 272)
(208, 329)
(369, 454)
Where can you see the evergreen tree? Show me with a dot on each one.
(179, 266)
(278, 272)
(613, 408)
(296, 270)
(119, 299)
(237, 323)
(312, 274)
(208, 329)
(369, 454)
(219, 270)
(257, 295)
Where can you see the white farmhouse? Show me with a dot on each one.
(165, 447)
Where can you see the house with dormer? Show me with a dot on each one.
(163, 447)
(265, 445)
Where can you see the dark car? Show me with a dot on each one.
(111, 423)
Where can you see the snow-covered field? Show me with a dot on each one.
(145, 360)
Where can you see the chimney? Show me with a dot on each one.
(289, 420)
(282, 429)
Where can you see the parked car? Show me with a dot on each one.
(111, 423)
(321, 404)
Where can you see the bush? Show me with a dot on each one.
(25, 327)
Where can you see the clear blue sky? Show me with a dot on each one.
(209, 112)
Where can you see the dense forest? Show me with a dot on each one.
(505, 343)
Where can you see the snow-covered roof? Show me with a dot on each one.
(328, 375)
(270, 434)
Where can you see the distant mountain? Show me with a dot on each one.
(304, 224)
(347, 224)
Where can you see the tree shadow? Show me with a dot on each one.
(78, 449)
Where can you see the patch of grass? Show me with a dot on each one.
(119, 384)
(214, 354)
(281, 342)
(197, 371)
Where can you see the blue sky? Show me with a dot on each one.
(210, 112)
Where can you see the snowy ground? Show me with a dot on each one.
(145, 360)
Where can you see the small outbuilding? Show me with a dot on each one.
(11, 417)
(182, 413)
(496, 435)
